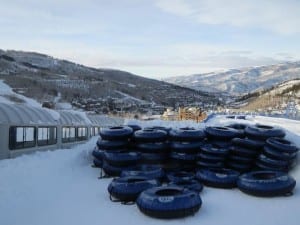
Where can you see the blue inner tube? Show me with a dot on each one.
(241, 159)
(187, 134)
(116, 133)
(206, 164)
(272, 162)
(242, 151)
(149, 171)
(186, 147)
(127, 189)
(180, 176)
(112, 145)
(115, 171)
(282, 145)
(159, 147)
(98, 154)
(153, 158)
(219, 178)
(273, 153)
(122, 158)
(239, 166)
(206, 157)
(166, 129)
(192, 185)
(150, 135)
(209, 149)
(263, 132)
(222, 133)
(263, 166)
(248, 143)
(134, 127)
(169, 202)
(98, 163)
(183, 157)
(266, 183)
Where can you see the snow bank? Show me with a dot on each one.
(61, 188)
(6, 90)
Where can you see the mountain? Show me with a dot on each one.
(277, 98)
(45, 78)
(237, 82)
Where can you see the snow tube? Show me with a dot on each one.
(114, 171)
(219, 178)
(239, 166)
(183, 157)
(240, 159)
(210, 158)
(266, 183)
(98, 163)
(248, 143)
(205, 164)
(263, 132)
(272, 162)
(186, 147)
(187, 134)
(169, 202)
(150, 135)
(241, 117)
(180, 176)
(127, 189)
(159, 147)
(241, 151)
(112, 145)
(166, 129)
(153, 158)
(149, 171)
(209, 149)
(220, 144)
(222, 133)
(273, 153)
(116, 133)
(134, 127)
(282, 145)
(238, 126)
(98, 154)
(121, 158)
(262, 166)
(192, 185)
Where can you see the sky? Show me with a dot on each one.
(155, 38)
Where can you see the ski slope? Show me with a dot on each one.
(61, 188)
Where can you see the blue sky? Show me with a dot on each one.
(155, 38)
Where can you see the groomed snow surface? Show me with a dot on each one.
(61, 188)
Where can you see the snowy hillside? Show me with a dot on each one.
(240, 81)
(92, 89)
(61, 188)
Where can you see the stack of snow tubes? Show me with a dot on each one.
(116, 156)
(185, 144)
(211, 157)
(152, 145)
(243, 153)
(256, 159)
(220, 136)
(278, 154)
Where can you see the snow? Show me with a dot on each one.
(6, 90)
(126, 96)
(61, 188)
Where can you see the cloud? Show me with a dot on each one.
(279, 16)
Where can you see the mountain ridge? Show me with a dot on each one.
(240, 81)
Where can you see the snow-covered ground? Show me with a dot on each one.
(61, 188)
